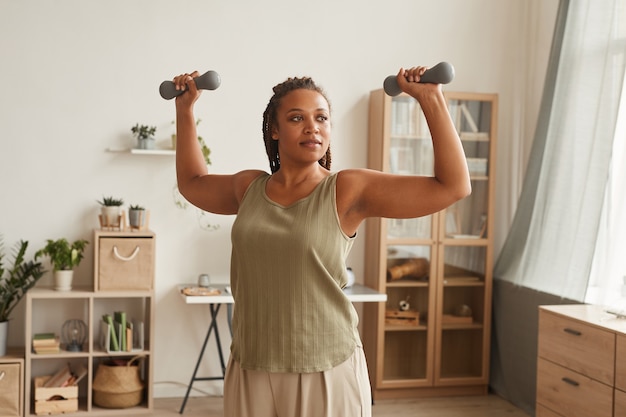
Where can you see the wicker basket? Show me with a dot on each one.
(117, 386)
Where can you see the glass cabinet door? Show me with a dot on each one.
(464, 257)
(409, 270)
(410, 153)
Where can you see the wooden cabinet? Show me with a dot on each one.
(581, 364)
(441, 265)
(47, 310)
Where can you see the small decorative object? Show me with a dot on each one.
(403, 315)
(111, 213)
(463, 310)
(200, 291)
(64, 258)
(144, 135)
(19, 278)
(416, 268)
(351, 277)
(74, 335)
(137, 217)
(204, 280)
(462, 315)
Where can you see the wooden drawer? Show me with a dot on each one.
(620, 403)
(620, 363)
(11, 384)
(578, 346)
(571, 394)
(125, 263)
(542, 411)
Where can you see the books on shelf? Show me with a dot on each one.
(46, 343)
(120, 334)
(65, 377)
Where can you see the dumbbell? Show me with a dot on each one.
(210, 80)
(442, 73)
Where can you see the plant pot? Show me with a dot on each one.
(136, 218)
(148, 143)
(4, 330)
(111, 216)
(63, 280)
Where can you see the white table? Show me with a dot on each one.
(357, 294)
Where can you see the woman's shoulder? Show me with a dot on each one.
(243, 179)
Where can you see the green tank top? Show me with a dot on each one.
(288, 268)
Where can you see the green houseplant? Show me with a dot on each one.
(15, 281)
(111, 211)
(64, 257)
(145, 135)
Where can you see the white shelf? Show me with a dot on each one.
(135, 151)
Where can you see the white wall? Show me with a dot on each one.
(76, 75)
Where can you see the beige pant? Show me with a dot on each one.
(343, 391)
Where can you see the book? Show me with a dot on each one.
(45, 339)
(129, 336)
(114, 346)
(46, 343)
(120, 322)
(45, 349)
(60, 378)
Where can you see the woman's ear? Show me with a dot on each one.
(274, 133)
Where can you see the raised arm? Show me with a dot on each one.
(214, 193)
(369, 193)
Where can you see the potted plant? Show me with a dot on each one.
(19, 278)
(136, 216)
(144, 135)
(64, 258)
(111, 211)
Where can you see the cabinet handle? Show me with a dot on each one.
(572, 331)
(125, 258)
(2, 374)
(570, 381)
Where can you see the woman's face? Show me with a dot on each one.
(302, 126)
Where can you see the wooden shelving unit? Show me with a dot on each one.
(444, 260)
(47, 310)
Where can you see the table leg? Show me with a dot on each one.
(215, 308)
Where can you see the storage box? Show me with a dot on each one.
(402, 318)
(54, 400)
(124, 261)
(11, 389)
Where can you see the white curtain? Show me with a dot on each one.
(607, 285)
(555, 230)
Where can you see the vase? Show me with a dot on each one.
(63, 280)
(148, 143)
(111, 216)
(4, 331)
(136, 218)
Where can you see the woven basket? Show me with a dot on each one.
(116, 386)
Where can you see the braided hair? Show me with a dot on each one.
(269, 118)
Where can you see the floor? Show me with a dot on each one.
(475, 406)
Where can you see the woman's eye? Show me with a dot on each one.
(322, 118)
(297, 118)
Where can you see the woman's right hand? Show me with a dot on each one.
(186, 82)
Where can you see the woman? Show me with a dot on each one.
(296, 349)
